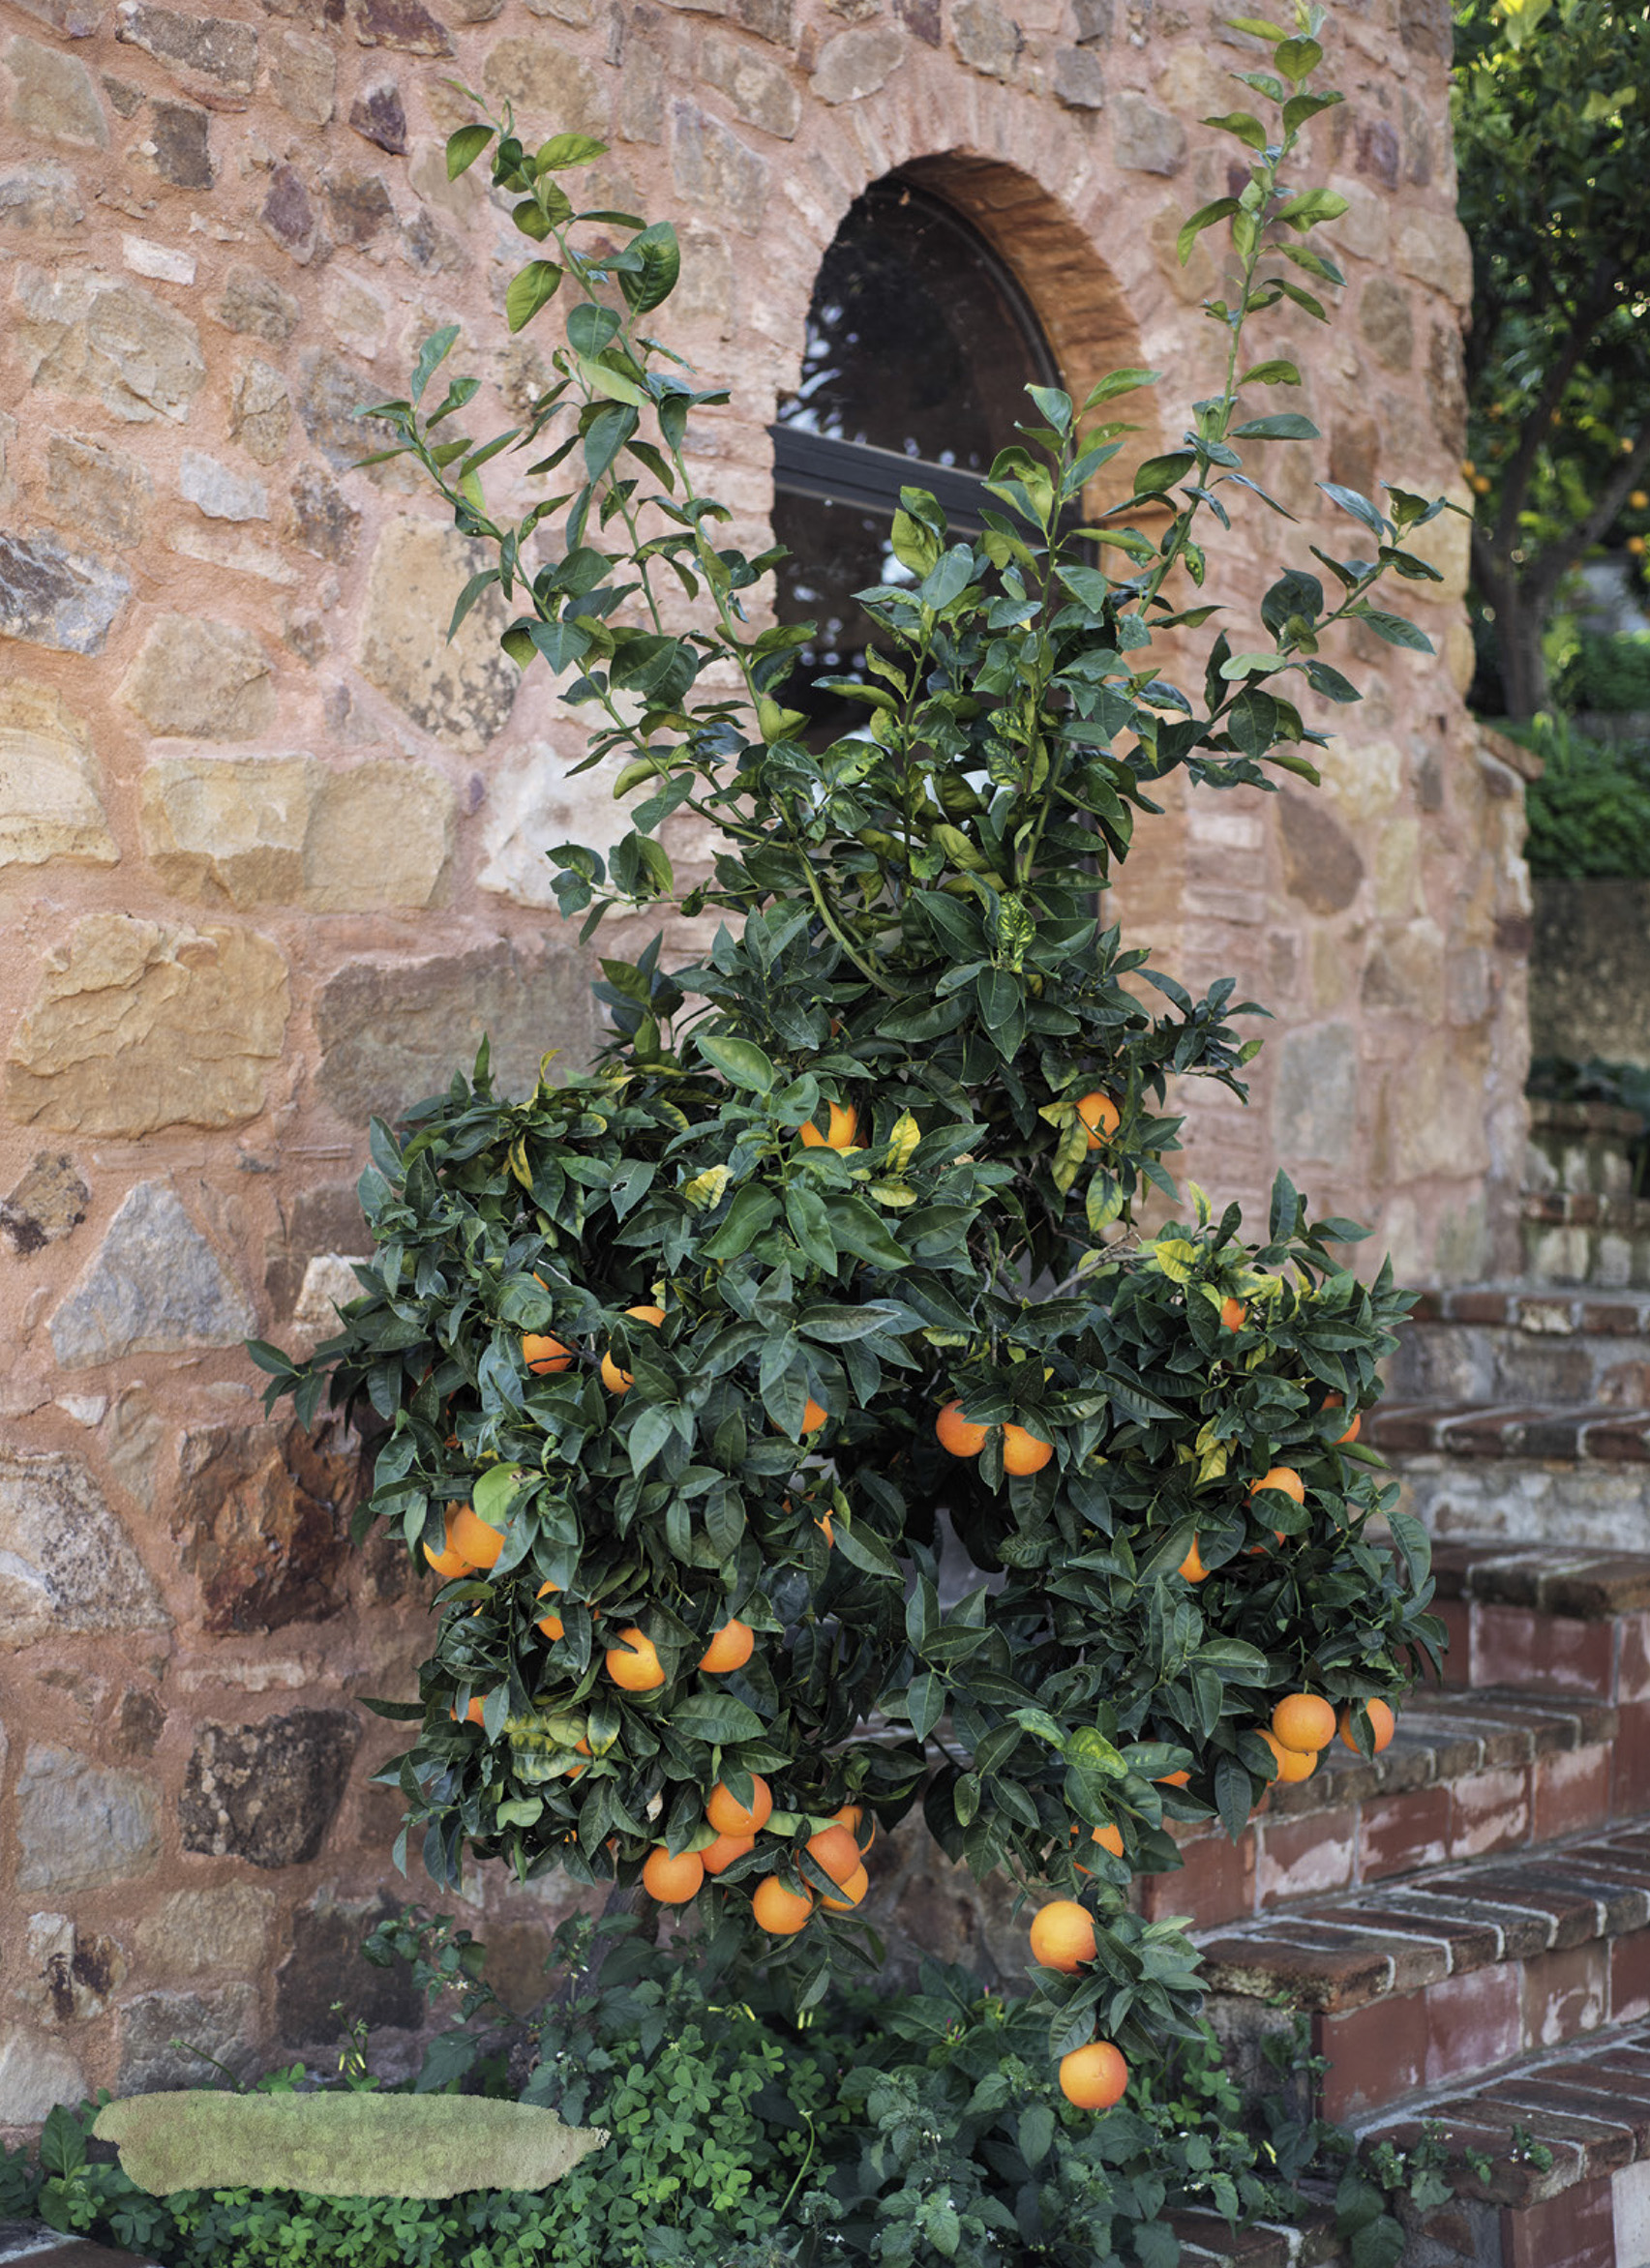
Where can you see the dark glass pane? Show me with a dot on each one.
(836, 550)
(917, 340)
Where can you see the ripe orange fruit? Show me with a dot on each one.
(1304, 1721)
(861, 1824)
(479, 1543)
(958, 1433)
(543, 1356)
(616, 1380)
(721, 1854)
(1382, 1724)
(1062, 1936)
(1636, 546)
(813, 1417)
(1335, 1402)
(551, 1623)
(1232, 1313)
(1093, 2077)
(472, 1715)
(778, 1910)
(1022, 1451)
(633, 1662)
(731, 1647)
(449, 1563)
(847, 1894)
(729, 1816)
(1285, 1479)
(824, 1527)
(843, 1125)
(1174, 1779)
(836, 1850)
(672, 1881)
(1109, 1838)
(1296, 1764)
(1192, 1566)
(1639, 500)
(1099, 1114)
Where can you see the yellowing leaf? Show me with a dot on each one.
(705, 1191)
(903, 1140)
(1175, 1257)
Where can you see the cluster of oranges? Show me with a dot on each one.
(674, 1878)
(1062, 1938)
(1304, 1725)
(1022, 1451)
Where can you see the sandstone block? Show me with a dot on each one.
(134, 1027)
(329, 393)
(855, 62)
(134, 1436)
(257, 305)
(200, 680)
(1433, 1116)
(986, 40)
(100, 493)
(329, 1284)
(37, 2072)
(378, 116)
(1079, 78)
(261, 411)
(1321, 864)
(1364, 779)
(102, 339)
(323, 1222)
(302, 74)
(205, 46)
(199, 1930)
(214, 489)
(711, 166)
(543, 79)
(154, 1286)
(48, 1203)
(179, 144)
(406, 24)
(1144, 138)
(50, 804)
(759, 88)
(269, 1792)
(56, 96)
(1405, 973)
(1314, 1102)
(391, 1032)
(66, 1561)
(641, 113)
(222, 2024)
(69, 1972)
(322, 519)
(54, 597)
(264, 1512)
(461, 690)
(326, 1965)
(43, 200)
(1386, 324)
(80, 1826)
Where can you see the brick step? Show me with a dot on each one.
(1520, 1470)
(1467, 1775)
(1588, 2108)
(1450, 1973)
(1549, 1619)
(1506, 1343)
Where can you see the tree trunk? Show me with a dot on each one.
(1519, 620)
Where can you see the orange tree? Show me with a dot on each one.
(687, 1365)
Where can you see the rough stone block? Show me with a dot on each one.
(460, 690)
(155, 1286)
(50, 804)
(194, 1931)
(43, 200)
(1386, 323)
(326, 1965)
(1080, 80)
(102, 339)
(98, 491)
(217, 491)
(711, 166)
(760, 89)
(66, 1561)
(179, 145)
(264, 1512)
(986, 38)
(1321, 864)
(47, 1204)
(269, 1792)
(136, 1027)
(547, 80)
(330, 391)
(261, 411)
(53, 597)
(200, 680)
(855, 62)
(222, 2024)
(302, 74)
(202, 46)
(37, 2072)
(69, 1972)
(79, 1825)
(1315, 1106)
(406, 24)
(55, 95)
(1144, 138)
(377, 115)
(257, 305)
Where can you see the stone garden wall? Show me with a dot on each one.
(271, 852)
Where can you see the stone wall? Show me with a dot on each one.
(1590, 970)
(271, 852)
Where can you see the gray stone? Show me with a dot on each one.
(76, 19)
(759, 88)
(134, 1435)
(1321, 864)
(391, 1032)
(179, 145)
(287, 215)
(323, 520)
(69, 1974)
(320, 1221)
(154, 1287)
(100, 493)
(66, 1561)
(127, 99)
(1079, 78)
(56, 96)
(1094, 20)
(269, 1792)
(1144, 138)
(50, 804)
(1379, 152)
(80, 1826)
(856, 63)
(48, 1203)
(107, 340)
(377, 115)
(257, 305)
(641, 112)
(921, 18)
(302, 74)
(37, 2072)
(208, 47)
(1445, 386)
(53, 597)
(404, 24)
(195, 1931)
(460, 689)
(326, 1965)
(201, 680)
(261, 411)
(330, 391)
(217, 492)
(1385, 322)
(1314, 1102)
(358, 206)
(986, 40)
(40, 199)
(711, 166)
(222, 2024)
(1427, 26)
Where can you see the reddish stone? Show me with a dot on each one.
(1617, 1441)
(1397, 1834)
(400, 23)
(1569, 1792)
(1299, 1857)
(1490, 1812)
(1566, 1994)
(1633, 1657)
(1574, 2230)
(288, 213)
(1456, 1615)
(1629, 1977)
(1478, 1307)
(1616, 1319)
(1510, 1646)
(1376, 2054)
(1473, 2022)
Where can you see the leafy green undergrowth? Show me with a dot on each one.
(1589, 813)
(1607, 672)
(898, 2129)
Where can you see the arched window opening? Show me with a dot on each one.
(920, 348)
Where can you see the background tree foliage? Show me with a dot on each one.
(1552, 142)
(910, 970)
